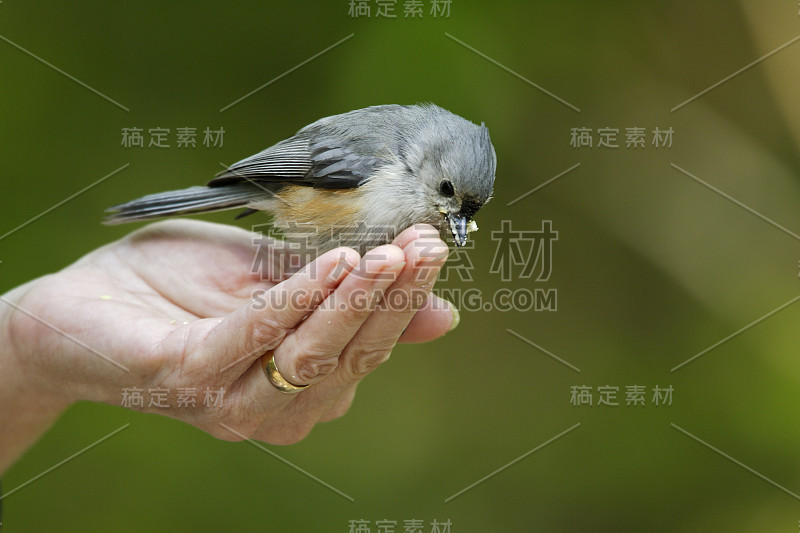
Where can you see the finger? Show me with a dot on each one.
(262, 323)
(312, 351)
(374, 341)
(415, 232)
(304, 411)
(330, 399)
(341, 405)
(435, 318)
(253, 403)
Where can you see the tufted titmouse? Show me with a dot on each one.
(355, 179)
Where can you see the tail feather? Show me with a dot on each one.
(184, 202)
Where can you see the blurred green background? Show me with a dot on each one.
(650, 268)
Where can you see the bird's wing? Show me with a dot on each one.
(314, 159)
(339, 163)
(287, 161)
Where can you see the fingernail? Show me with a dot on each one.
(456, 316)
(389, 273)
(426, 276)
(339, 271)
(442, 255)
(437, 254)
(397, 267)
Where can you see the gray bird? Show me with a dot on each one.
(356, 179)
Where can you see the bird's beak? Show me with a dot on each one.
(459, 226)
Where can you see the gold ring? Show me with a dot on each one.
(274, 377)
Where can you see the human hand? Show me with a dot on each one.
(177, 305)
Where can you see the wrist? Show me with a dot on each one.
(27, 407)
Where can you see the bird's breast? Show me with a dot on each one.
(361, 218)
(323, 219)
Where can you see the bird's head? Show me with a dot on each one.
(457, 172)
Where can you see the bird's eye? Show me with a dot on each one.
(446, 188)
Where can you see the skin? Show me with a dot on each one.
(174, 304)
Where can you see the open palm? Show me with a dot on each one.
(178, 307)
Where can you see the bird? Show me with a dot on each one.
(355, 179)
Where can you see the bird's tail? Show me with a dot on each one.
(184, 202)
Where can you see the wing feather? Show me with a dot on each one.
(311, 158)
